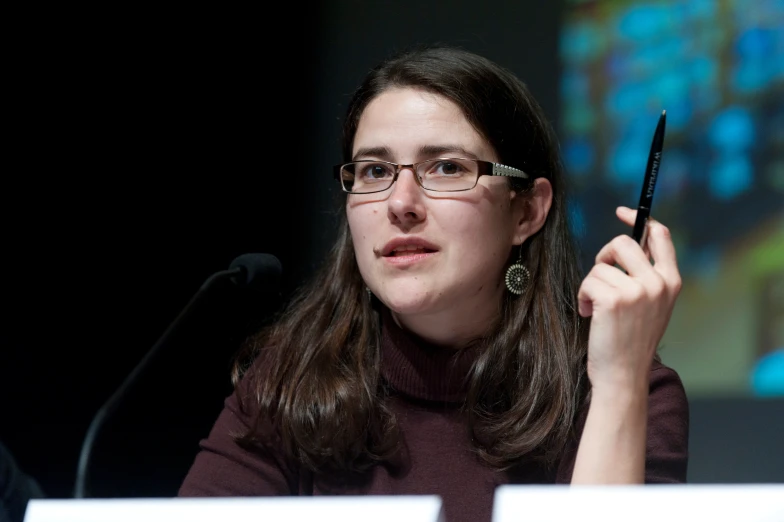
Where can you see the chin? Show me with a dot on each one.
(407, 301)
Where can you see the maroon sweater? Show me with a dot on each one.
(437, 457)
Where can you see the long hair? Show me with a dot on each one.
(319, 390)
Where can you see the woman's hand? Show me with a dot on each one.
(630, 310)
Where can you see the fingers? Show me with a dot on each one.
(609, 275)
(607, 287)
(623, 252)
(626, 253)
(663, 254)
(590, 290)
(627, 215)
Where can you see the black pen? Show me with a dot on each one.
(640, 233)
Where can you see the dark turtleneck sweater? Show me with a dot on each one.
(437, 457)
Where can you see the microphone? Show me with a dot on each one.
(252, 271)
(255, 270)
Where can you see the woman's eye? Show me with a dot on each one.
(377, 171)
(449, 168)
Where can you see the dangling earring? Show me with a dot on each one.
(517, 276)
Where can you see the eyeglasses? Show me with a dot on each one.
(438, 175)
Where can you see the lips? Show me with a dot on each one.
(409, 250)
(408, 246)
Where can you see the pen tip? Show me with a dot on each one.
(664, 113)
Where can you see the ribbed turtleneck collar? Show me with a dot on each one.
(418, 369)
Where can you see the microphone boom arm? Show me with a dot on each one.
(111, 404)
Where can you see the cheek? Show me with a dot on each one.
(484, 239)
(360, 224)
(481, 225)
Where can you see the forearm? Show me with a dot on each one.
(612, 446)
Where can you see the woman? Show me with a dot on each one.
(451, 343)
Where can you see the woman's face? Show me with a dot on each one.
(423, 252)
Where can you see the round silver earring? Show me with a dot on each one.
(517, 276)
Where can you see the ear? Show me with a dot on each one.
(531, 209)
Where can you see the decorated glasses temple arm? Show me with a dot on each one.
(497, 169)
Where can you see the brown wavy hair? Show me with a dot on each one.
(319, 393)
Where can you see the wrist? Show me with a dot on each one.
(621, 380)
(617, 393)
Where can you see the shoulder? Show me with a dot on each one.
(665, 389)
(667, 448)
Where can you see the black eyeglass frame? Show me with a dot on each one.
(486, 168)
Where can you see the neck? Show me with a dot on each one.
(455, 326)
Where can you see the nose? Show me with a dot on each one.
(406, 206)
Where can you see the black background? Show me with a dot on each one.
(150, 148)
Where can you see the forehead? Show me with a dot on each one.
(404, 120)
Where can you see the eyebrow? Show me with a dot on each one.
(425, 151)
